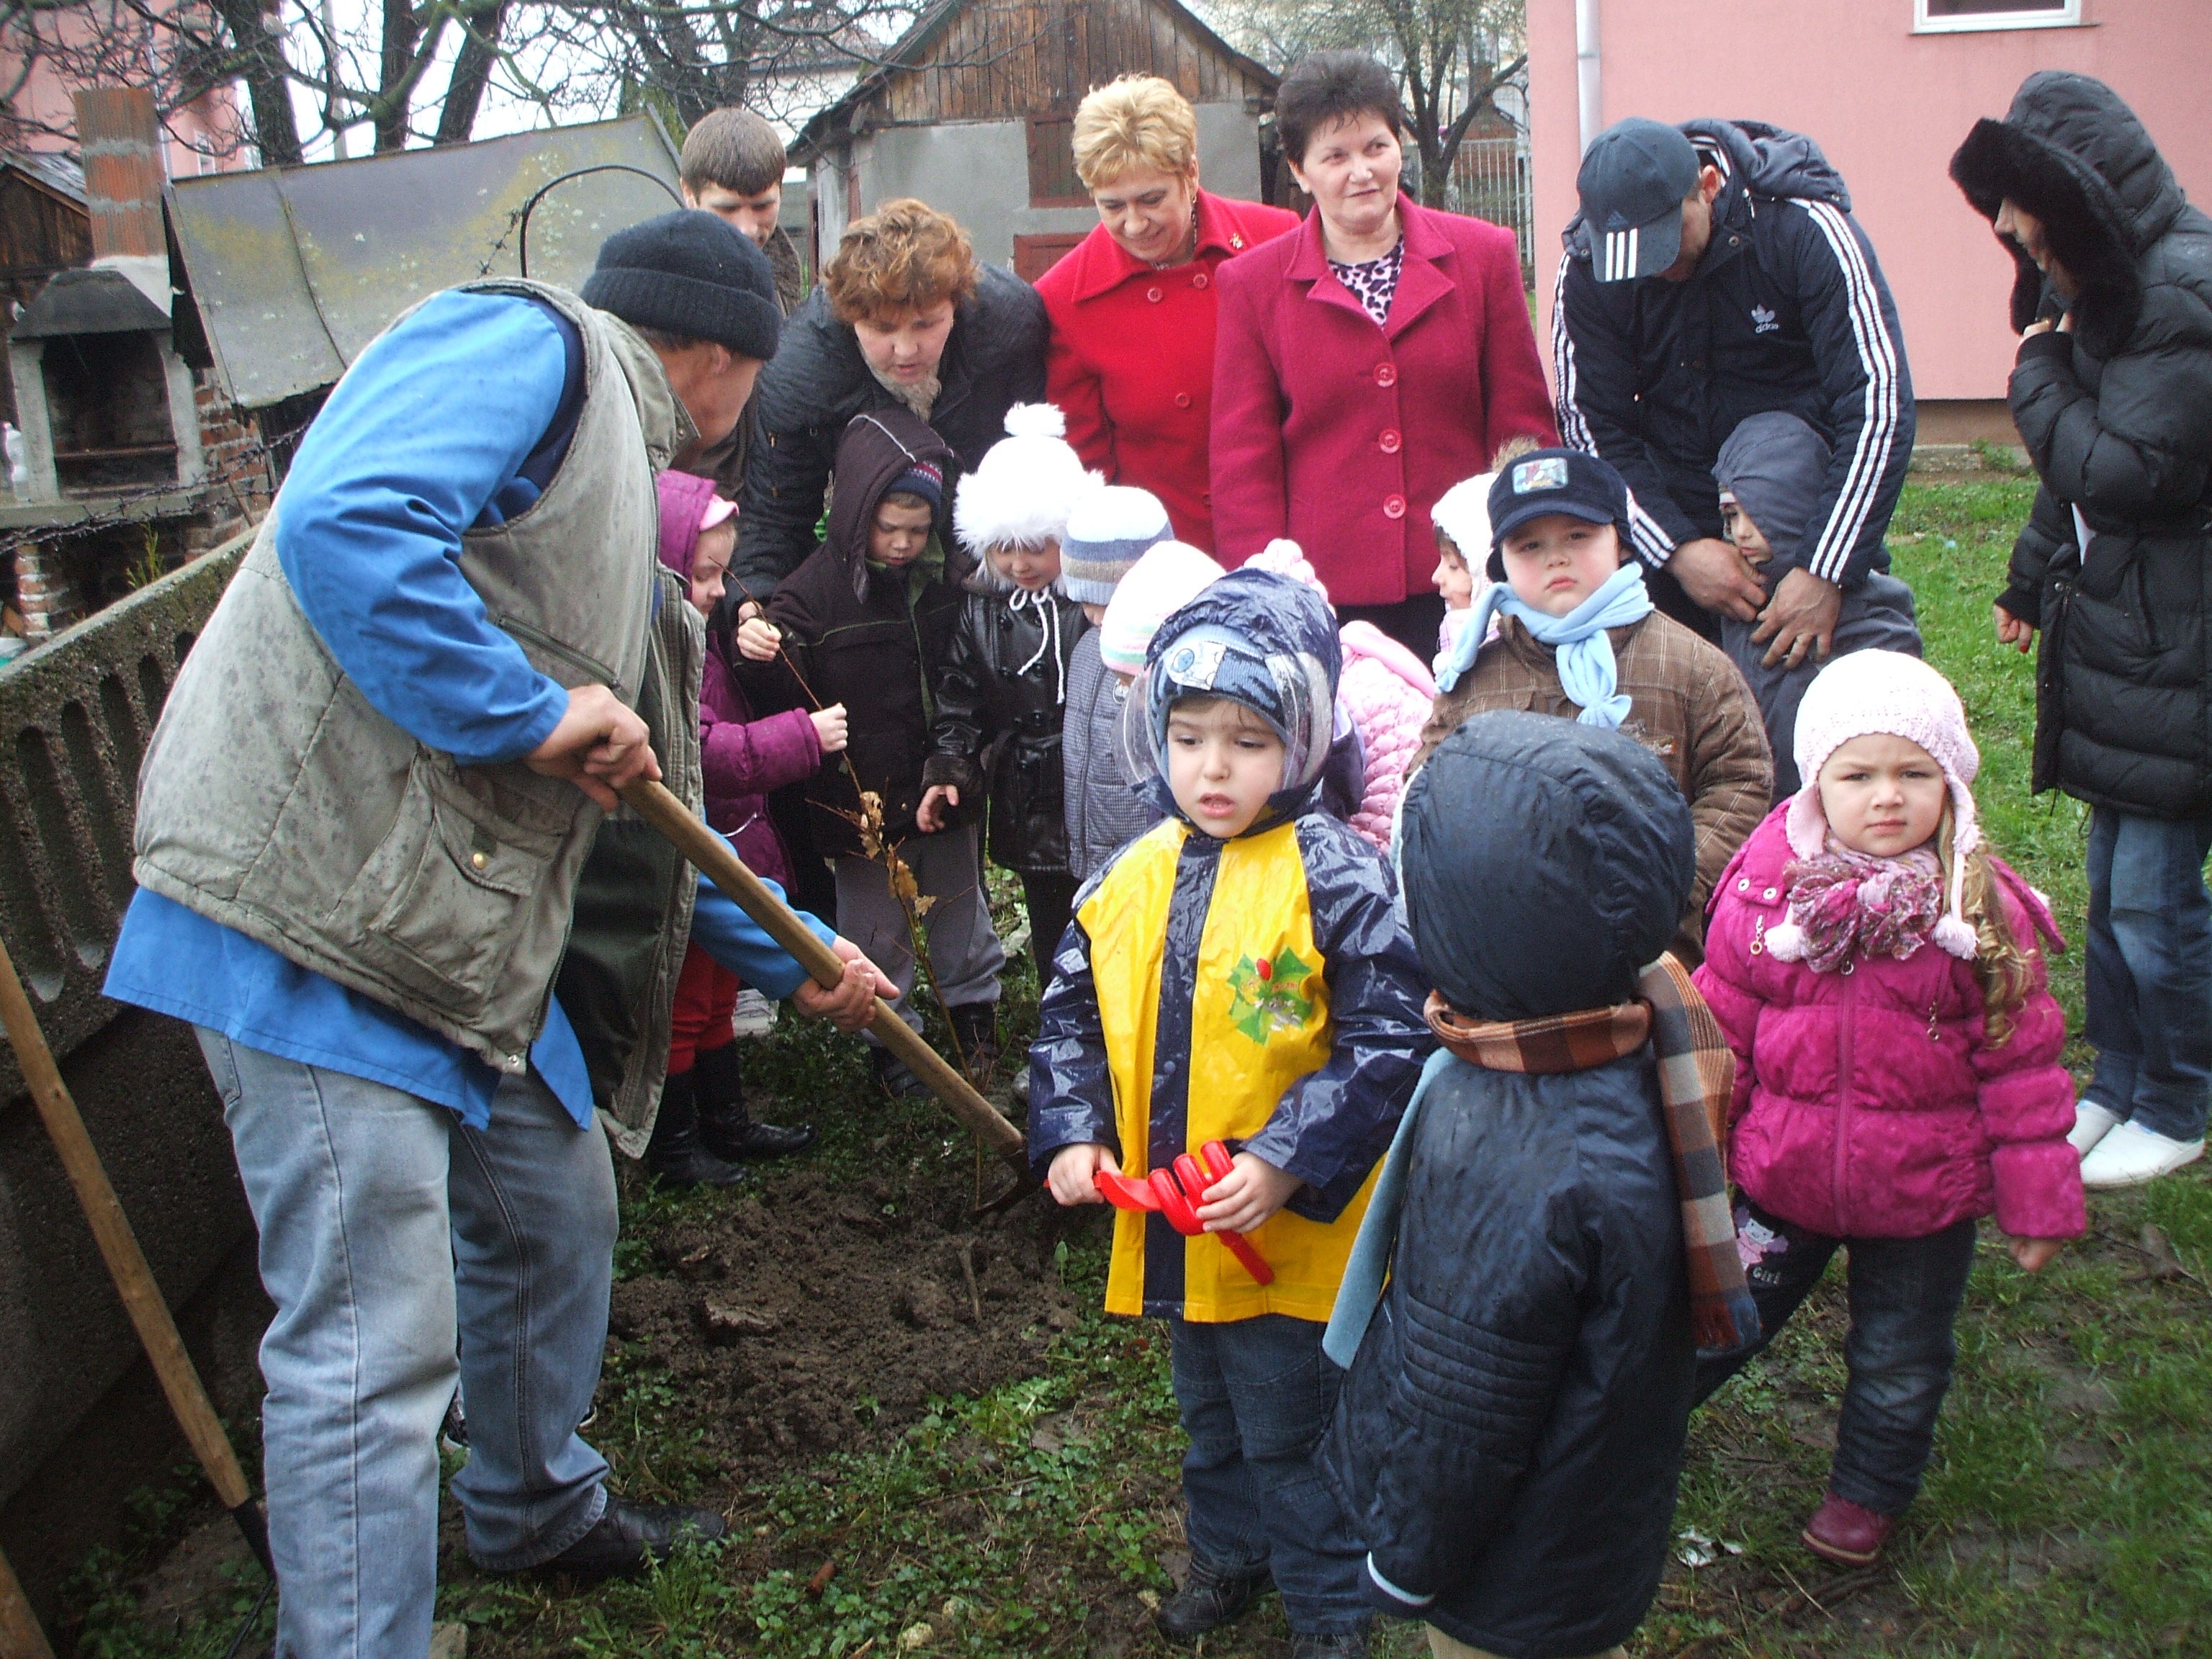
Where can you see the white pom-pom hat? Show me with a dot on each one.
(1462, 512)
(1899, 696)
(1021, 494)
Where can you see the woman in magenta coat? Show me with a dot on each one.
(1131, 360)
(1366, 363)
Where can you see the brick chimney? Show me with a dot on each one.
(119, 138)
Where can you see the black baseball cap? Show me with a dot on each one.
(1569, 481)
(1634, 179)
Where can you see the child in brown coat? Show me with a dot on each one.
(1578, 638)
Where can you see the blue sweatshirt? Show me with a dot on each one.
(398, 464)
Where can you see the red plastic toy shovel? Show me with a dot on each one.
(1176, 1192)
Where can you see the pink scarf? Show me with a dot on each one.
(1844, 903)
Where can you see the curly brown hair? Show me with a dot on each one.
(905, 254)
(2004, 966)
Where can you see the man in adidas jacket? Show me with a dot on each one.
(1715, 272)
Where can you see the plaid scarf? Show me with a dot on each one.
(1697, 1074)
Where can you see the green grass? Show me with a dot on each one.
(2066, 1514)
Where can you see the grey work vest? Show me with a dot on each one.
(275, 800)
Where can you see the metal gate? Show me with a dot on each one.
(1490, 178)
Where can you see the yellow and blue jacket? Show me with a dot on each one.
(1259, 991)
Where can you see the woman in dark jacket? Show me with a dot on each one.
(2112, 395)
(904, 318)
(1511, 1429)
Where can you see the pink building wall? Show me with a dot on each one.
(1888, 106)
(209, 124)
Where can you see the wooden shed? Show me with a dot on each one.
(971, 111)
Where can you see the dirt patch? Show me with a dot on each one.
(820, 1312)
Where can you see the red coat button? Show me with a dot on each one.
(1153, 294)
(1182, 400)
(1390, 443)
(1200, 280)
(1394, 506)
(1386, 373)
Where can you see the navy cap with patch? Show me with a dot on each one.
(1569, 481)
(1634, 178)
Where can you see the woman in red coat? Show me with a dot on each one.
(1366, 363)
(1131, 358)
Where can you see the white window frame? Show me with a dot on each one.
(2066, 16)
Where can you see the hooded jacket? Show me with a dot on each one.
(871, 638)
(2116, 416)
(1159, 1009)
(1388, 691)
(1786, 310)
(818, 381)
(1000, 702)
(1870, 1103)
(1105, 809)
(1511, 1431)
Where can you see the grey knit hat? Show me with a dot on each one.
(1108, 530)
(689, 273)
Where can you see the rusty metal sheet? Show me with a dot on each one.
(295, 270)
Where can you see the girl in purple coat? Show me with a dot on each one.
(1878, 973)
(703, 1128)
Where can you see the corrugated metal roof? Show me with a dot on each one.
(295, 270)
(59, 173)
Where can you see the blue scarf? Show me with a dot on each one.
(1588, 673)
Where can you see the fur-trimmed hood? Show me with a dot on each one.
(2073, 155)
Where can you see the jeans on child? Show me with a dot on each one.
(1904, 1296)
(1255, 1395)
(390, 1235)
(2149, 970)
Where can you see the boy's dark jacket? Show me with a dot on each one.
(874, 639)
(2116, 416)
(1510, 1432)
(1335, 1123)
(1788, 309)
(999, 723)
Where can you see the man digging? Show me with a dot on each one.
(378, 872)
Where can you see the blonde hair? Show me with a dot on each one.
(1137, 121)
(2004, 966)
(906, 253)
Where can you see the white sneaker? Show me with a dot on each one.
(2131, 1155)
(754, 1015)
(2092, 1123)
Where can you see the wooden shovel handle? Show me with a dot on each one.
(118, 1246)
(712, 854)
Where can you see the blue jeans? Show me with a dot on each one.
(2149, 970)
(1255, 1395)
(1904, 1297)
(390, 1235)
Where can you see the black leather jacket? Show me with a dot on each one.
(1000, 700)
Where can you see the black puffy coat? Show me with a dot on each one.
(1510, 1432)
(874, 639)
(1788, 310)
(818, 381)
(1000, 702)
(2116, 416)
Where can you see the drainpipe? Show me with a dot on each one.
(1588, 96)
(119, 138)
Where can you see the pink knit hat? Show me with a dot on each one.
(1901, 696)
(689, 507)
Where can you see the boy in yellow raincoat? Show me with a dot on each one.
(1239, 974)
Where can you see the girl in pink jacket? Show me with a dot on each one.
(1879, 974)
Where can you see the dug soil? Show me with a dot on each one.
(822, 1312)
